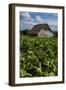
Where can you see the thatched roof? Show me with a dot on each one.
(39, 27)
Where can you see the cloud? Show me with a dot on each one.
(27, 24)
(39, 19)
(26, 21)
(54, 28)
(25, 15)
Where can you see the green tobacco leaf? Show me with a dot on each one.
(35, 50)
(51, 74)
(22, 73)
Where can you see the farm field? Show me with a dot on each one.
(38, 56)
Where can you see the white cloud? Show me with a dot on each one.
(27, 22)
(54, 28)
(51, 22)
(25, 15)
(39, 19)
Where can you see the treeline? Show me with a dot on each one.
(30, 33)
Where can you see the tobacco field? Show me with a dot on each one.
(38, 56)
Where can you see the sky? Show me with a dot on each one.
(29, 19)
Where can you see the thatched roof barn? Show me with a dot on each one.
(41, 30)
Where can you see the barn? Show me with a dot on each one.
(42, 30)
